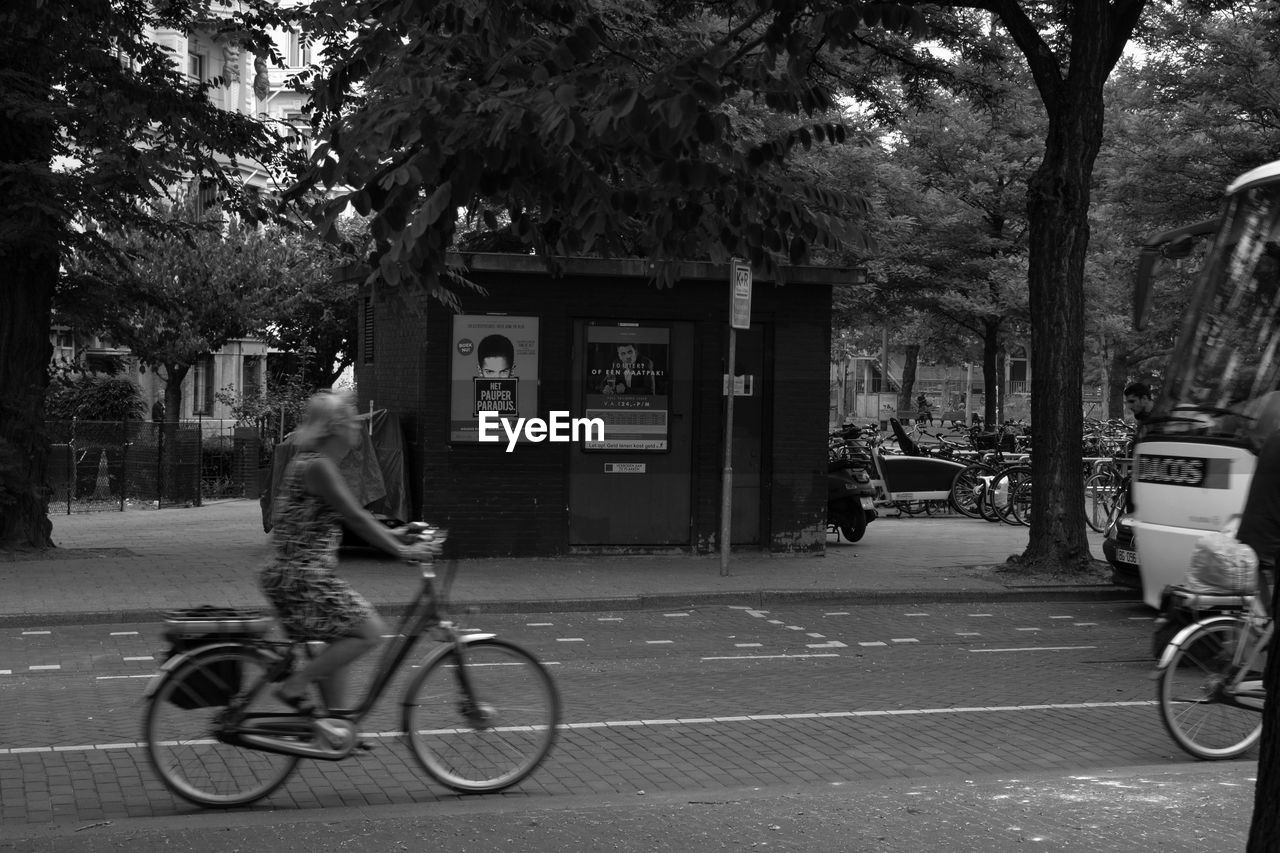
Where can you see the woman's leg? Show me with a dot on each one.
(329, 668)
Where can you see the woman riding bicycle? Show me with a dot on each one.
(311, 601)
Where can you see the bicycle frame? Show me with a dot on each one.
(275, 732)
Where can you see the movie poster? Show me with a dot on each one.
(628, 385)
(495, 369)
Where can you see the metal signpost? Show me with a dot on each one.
(739, 318)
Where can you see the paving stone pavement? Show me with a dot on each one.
(130, 566)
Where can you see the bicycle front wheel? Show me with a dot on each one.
(484, 726)
(1191, 688)
(188, 736)
(968, 489)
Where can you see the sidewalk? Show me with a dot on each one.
(132, 565)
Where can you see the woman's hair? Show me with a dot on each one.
(323, 412)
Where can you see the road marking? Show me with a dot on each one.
(748, 645)
(1062, 617)
(816, 636)
(35, 633)
(1026, 629)
(538, 624)
(968, 634)
(570, 640)
(677, 614)
(837, 613)
(46, 666)
(903, 640)
(140, 657)
(609, 619)
(1037, 649)
(874, 643)
(832, 644)
(6, 672)
(124, 633)
(769, 657)
(114, 677)
(1084, 624)
(915, 614)
(689, 721)
(982, 614)
(658, 642)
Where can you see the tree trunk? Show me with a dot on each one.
(25, 304)
(910, 361)
(29, 260)
(1058, 207)
(990, 373)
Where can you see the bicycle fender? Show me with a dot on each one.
(476, 637)
(1166, 656)
(172, 663)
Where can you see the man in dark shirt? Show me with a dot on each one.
(1260, 522)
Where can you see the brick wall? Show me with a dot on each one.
(517, 504)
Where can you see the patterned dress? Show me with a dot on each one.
(311, 601)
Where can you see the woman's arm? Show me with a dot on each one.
(324, 479)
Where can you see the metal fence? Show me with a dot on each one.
(111, 465)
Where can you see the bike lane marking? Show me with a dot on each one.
(688, 721)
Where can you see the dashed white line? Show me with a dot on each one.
(124, 633)
(1084, 624)
(46, 666)
(816, 636)
(874, 643)
(1036, 649)
(837, 613)
(1062, 617)
(539, 624)
(658, 642)
(1026, 629)
(609, 619)
(140, 657)
(770, 657)
(831, 644)
(903, 640)
(35, 633)
(981, 614)
(915, 614)
(115, 677)
(968, 634)
(6, 672)
(677, 614)
(748, 645)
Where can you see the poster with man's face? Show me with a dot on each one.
(628, 385)
(494, 369)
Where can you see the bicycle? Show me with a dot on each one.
(479, 716)
(1106, 493)
(1209, 681)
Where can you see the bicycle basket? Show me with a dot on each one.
(202, 626)
(1222, 563)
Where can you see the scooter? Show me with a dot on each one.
(850, 497)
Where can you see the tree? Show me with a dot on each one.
(1070, 50)
(97, 118)
(588, 128)
(173, 298)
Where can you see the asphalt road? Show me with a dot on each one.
(658, 706)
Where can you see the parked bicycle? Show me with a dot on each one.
(1209, 682)
(479, 715)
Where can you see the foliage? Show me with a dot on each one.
(275, 412)
(311, 306)
(94, 398)
(588, 128)
(98, 118)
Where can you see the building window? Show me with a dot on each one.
(202, 386)
(366, 329)
(252, 377)
(299, 53)
(195, 63)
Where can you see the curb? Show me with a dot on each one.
(655, 601)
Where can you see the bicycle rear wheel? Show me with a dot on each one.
(1020, 503)
(1190, 694)
(489, 737)
(1100, 495)
(187, 743)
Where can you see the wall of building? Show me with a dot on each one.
(499, 503)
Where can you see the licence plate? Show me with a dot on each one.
(868, 503)
(1125, 556)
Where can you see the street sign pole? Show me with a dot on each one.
(739, 318)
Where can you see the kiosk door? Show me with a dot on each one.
(633, 486)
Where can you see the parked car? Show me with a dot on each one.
(1121, 550)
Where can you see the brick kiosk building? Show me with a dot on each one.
(600, 341)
